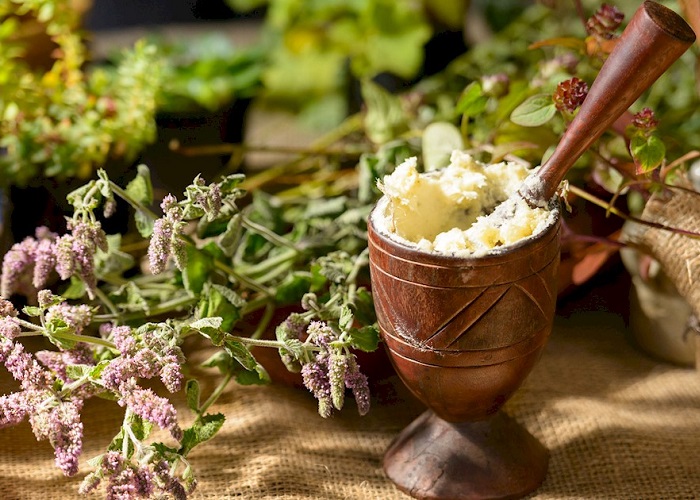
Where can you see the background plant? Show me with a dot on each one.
(63, 121)
(316, 50)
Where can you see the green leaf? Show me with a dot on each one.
(204, 323)
(295, 347)
(193, 392)
(231, 236)
(203, 429)
(385, 118)
(78, 371)
(220, 360)
(400, 53)
(230, 183)
(325, 207)
(365, 338)
(254, 372)
(8, 26)
(140, 427)
(536, 110)
(140, 188)
(439, 140)
(293, 287)
(117, 441)
(209, 327)
(256, 377)
(472, 102)
(114, 262)
(363, 307)
(32, 311)
(647, 152)
(144, 223)
(196, 272)
(221, 302)
(346, 318)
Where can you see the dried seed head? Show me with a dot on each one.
(645, 120)
(570, 94)
(605, 21)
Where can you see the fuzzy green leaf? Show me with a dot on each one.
(648, 152)
(219, 360)
(221, 302)
(203, 429)
(230, 237)
(536, 110)
(32, 311)
(385, 118)
(472, 102)
(254, 372)
(293, 287)
(346, 318)
(365, 338)
(196, 272)
(140, 187)
(438, 141)
(193, 392)
(210, 327)
(141, 190)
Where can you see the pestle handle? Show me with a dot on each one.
(654, 38)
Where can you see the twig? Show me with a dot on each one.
(610, 209)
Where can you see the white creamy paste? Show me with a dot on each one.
(453, 210)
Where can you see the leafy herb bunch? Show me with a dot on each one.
(118, 327)
(63, 121)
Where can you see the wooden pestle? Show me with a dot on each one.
(654, 38)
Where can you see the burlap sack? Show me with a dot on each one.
(618, 425)
(678, 254)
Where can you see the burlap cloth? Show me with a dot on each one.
(678, 254)
(619, 425)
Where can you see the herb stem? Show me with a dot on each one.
(105, 300)
(611, 209)
(216, 393)
(264, 321)
(72, 336)
(275, 344)
(30, 325)
(131, 201)
(269, 235)
(85, 338)
(272, 267)
(251, 284)
(164, 307)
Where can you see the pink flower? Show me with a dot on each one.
(159, 245)
(16, 264)
(9, 327)
(22, 365)
(148, 405)
(66, 436)
(45, 263)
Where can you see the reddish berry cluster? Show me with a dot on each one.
(605, 21)
(570, 94)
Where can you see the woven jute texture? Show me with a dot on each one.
(678, 254)
(618, 424)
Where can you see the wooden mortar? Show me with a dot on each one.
(464, 332)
